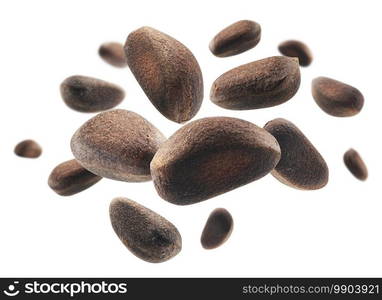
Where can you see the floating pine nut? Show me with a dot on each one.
(87, 94)
(146, 234)
(211, 156)
(218, 229)
(336, 98)
(113, 54)
(236, 38)
(117, 144)
(301, 166)
(167, 72)
(263, 83)
(70, 178)
(28, 149)
(355, 164)
(297, 49)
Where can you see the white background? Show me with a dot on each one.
(278, 231)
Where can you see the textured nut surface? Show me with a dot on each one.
(218, 229)
(70, 178)
(212, 156)
(337, 98)
(167, 72)
(236, 38)
(113, 53)
(293, 48)
(117, 144)
(146, 234)
(355, 164)
(88, 94)
(301, 166)
(263, 83)
(28, 149)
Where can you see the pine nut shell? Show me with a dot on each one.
(70, 178)
(301, 166)
(337, 98)
(218, 229)
(211, 156)
(88, 94)
(355, 164)
(28, 149)
(146, 234)
(263, 83)
(167, 71)
(293, 48)
(113, 53)
(236, 38)
(117, 144)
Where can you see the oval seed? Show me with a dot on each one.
(211, 156)
(355, 164)
(117, 144)
(336, 98)
(28, 149)
(293, 48)
(113, 54)
(87, 94)
(218, 229)
(70, 178)
(167, 72)
(263, 83)
(301, 166)
(146, 234)
(236, 38)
